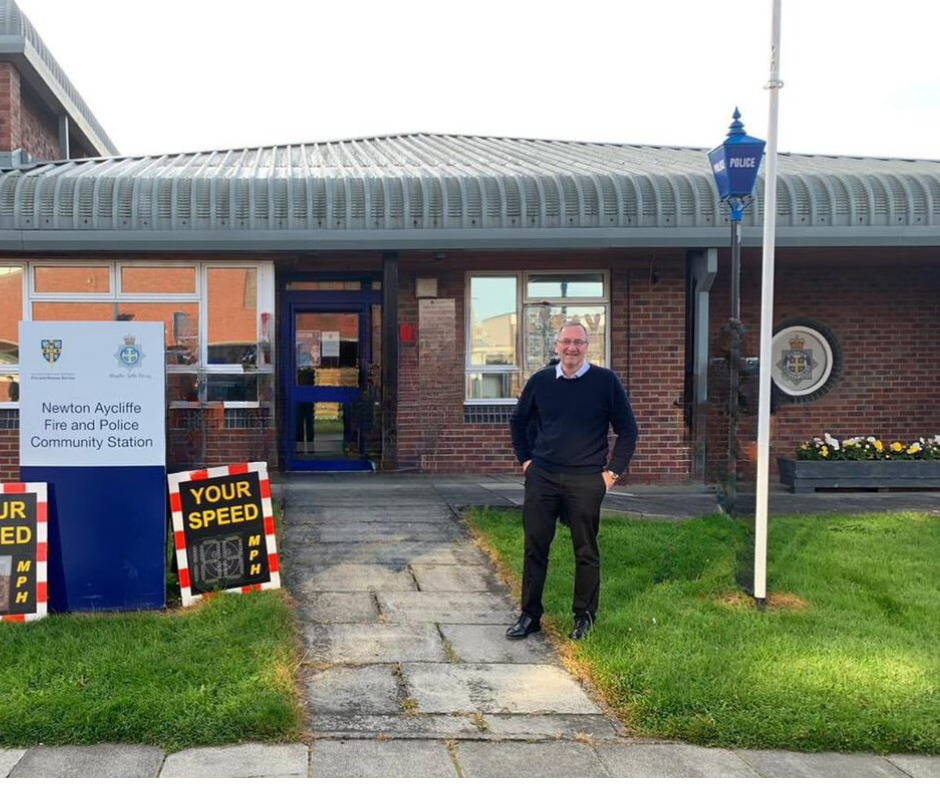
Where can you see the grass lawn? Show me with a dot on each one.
(846, 657)
(223, 671)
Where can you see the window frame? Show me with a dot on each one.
(265, 303)
(523, 276)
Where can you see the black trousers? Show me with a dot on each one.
(579, 496)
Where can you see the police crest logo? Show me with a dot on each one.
(797, 363)
(130, 354)
(51, 350)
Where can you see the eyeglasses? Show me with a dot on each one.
(570, 342)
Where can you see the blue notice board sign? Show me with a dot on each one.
(93, 427)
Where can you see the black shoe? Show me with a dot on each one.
(524, 627)
(582, 627)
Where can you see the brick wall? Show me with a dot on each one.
(647, 350)
(9, 454)
(39, 128)
(883, 306)
(25, 123)
(11, 128)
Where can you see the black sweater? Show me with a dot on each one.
(573, 416)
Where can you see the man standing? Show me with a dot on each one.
(567, 469)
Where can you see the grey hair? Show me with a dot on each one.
(573, 324)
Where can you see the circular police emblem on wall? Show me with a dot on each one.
(804, 357)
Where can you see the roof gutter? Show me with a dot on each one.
(65, 241)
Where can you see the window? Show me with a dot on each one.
(11, 313)
(217, 319)
(513, 320)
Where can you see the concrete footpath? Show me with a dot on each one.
(407, 672)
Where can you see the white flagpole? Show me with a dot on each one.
(767, 317)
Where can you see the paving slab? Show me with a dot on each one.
(414, 607)
(399, 726)
(347, 607)
(525, 759)
(395, 758)
(378, 532)
(99, 760)
(456, 578)
(488, 643)
(371, 689)
(778, 763)
(9, 759)
(672, 760)
(242, 760)
(385, 553)
(591, 727)
(358, 644)
(349, 577)
(511, 689)
(917, 765)
(365, 514)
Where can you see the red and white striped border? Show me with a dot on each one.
(179, 535)
(42, 549)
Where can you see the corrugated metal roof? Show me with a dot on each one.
(19, 37)
(431, 185)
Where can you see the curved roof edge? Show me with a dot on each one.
(20, 43)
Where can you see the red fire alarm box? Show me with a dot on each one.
(408, 333)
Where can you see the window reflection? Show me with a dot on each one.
(327, 350)
(233, 316)
(9, 388)
(543, 322)
(181, 323)
(182, 387)
(44, 310)
(144, 279)
(73, 279)
(555, 286)
(239, 388)
(493, 323)
(11, 313)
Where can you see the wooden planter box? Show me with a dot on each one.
(811, 475)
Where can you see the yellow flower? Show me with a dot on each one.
(879, 446)
(824, 451)
(896, 446)
(913, 449)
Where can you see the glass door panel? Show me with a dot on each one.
(327, 390)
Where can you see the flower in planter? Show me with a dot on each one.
(868, 448)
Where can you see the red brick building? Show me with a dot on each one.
(380, 302)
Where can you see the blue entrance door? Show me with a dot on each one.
(330, 397)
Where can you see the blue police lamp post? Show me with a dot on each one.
(734, 165)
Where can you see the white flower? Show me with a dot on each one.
(832, 441)
(872, 439)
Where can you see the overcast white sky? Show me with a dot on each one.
(182, 75)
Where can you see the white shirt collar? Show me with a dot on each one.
(584, 368)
